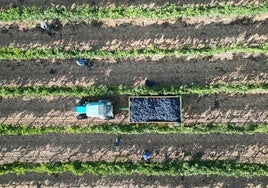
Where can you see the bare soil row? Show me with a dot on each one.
(221, 108)
(222, 69)
(99, 147)
(23, 25)
(103, 3)
(69, 180)
(128, 36)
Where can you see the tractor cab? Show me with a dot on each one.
(103, 109)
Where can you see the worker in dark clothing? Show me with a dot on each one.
(150, 83)
(147, 155)
(117, 141)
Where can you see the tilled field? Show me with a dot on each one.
(164, 70)
(97, 147)
(125, 36)
(223, 108)
(194, 33)
(66, 179)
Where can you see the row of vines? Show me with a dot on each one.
(166, 12)
(102, 90)
(79, 13)
(8, 53)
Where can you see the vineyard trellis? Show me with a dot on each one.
(20, 15)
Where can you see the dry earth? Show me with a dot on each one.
(98, 147)
(221, 108)
(69, 180)
(133, 71)
(168, 35)
(24, 25)
(122, 34)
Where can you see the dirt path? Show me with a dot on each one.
(124, 36)
(222, 108)
(225, 108)
(97, 147)
(69, 180)
(24, 25)
(131, 72)
(145, 3)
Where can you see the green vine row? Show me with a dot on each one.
(9, 53)
(102, 90)
(173, 168)
(165, 12)
(6, 129)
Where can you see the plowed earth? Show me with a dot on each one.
(97, 147)
(240, 68)
(222, 108)
(167, 35)
(69, 180)
(132, 34)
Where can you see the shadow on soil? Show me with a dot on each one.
(68, 179)
(132, 72)
(98, 147)
(225, 108)
(166, 35)
(222, 108)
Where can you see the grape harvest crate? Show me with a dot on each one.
(155, 109)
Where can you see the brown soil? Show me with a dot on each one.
(69, 180)
(98, 147)
(125, 36)
(132, 34)
(104, 3)
(133, 71)
(24, 25)
(222, 108)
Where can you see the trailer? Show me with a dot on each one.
(155, 109)
(142, 109)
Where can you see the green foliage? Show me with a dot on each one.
(6, 129)
(76, 91)
(7, 53)
(165, 12)
(173, 168)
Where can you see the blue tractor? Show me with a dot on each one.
(103, 109)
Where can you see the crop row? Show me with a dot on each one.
(76, 91)
(85, 12)
(7, 53)
(6, 129)
(173, 168)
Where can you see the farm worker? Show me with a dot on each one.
(150, 83)
(117, 142)
(147, 155)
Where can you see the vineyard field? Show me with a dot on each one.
(212, 53)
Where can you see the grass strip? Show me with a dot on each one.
(7, 129)
(173, 168)
(76, 91)
(8, 53)
(165, 12)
